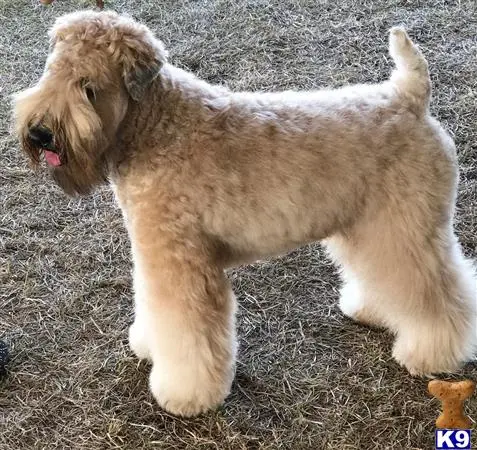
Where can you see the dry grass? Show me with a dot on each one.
(306, 377)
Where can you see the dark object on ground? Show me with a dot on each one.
(4, 357)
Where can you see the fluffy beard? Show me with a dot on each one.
(84, 166)
(81, 149)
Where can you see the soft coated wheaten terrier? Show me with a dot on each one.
(208, 178)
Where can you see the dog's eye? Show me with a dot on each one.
(90, 93)
(88, 90)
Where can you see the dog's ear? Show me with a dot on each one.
(138, 77)
(55, 35)
(142, 63)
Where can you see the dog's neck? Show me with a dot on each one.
(172, 106)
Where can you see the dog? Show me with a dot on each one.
(207, 178)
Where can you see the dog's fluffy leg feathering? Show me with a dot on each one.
(185, 325)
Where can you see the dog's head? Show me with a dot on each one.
(98, 63)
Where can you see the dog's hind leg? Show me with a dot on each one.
(409, 273)
(357, 299)
(436, 317)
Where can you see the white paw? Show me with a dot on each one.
(405, 358)
(186, 394)
(138, 341)
(424, 357)
(353, 306)
(350, 302)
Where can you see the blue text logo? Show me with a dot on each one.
(452, 439)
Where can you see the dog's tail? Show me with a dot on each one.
(411, 76)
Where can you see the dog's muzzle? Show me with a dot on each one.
(42, 138)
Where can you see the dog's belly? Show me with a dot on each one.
(246, 234)
(236, 257)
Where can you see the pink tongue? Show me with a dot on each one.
(52, 158)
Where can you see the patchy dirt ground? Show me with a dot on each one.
(307, 378)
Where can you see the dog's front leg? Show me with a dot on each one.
(138, 331)
(185, 325)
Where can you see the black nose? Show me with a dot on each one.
(40, 136)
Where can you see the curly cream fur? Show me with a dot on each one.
(208, 178)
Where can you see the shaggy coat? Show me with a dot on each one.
(208, 178)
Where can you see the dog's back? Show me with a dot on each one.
(302, 166)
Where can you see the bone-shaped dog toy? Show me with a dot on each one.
(452, 396)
